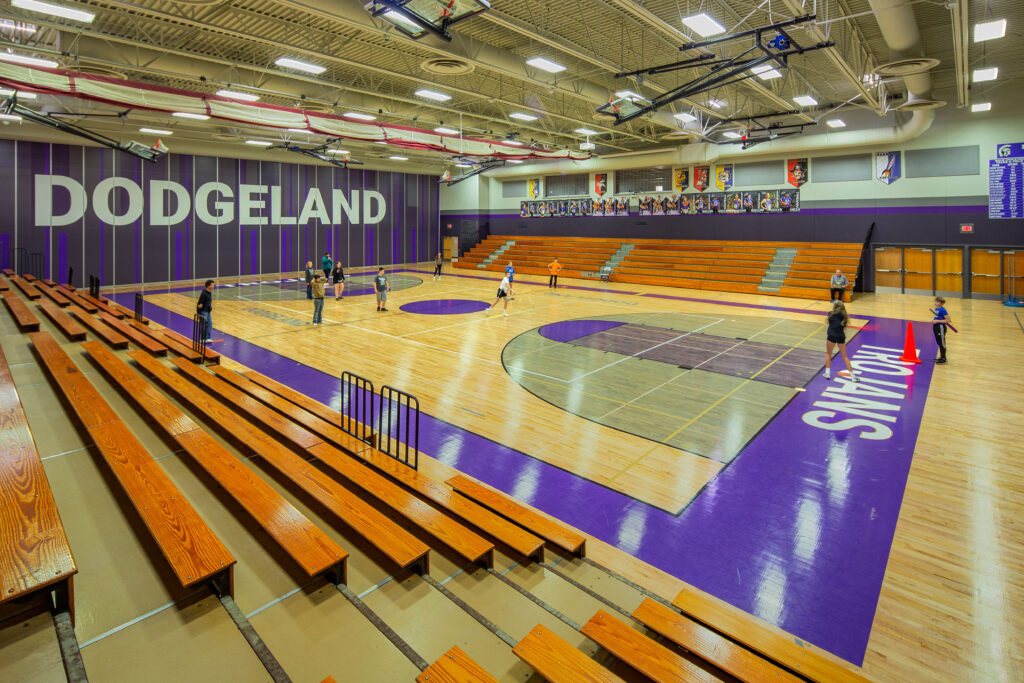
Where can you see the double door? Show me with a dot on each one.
(997, 273)
(919, 270)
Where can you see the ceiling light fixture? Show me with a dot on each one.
(836, 123)
(338, 151)
(685, 118)
(396, 158)
(628, 93)
(54, 10)
(989, 30)
(30, 61)
(156, 131)
(981, 106)
(704, 25)
(805, 101)
(716, 104)
(514, 161)
(431, 95)
(446, 131)
(301, 66)
(463, 165)
(586, 131)
(243, 96)
(989, 74)
(398, 16)
(359, 115)
(545, 65)
(4, 92)
(732, 135)
(259, 143)
(512, 141)
(522, 117)
(9, 117)
(190, 115)
(300, 130)
(765, 72)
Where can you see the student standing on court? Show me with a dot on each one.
(510, 274)
(939, 323)
(310, 275)
(205, 309)
(381, 287)
(319, 285)
(338, 275)
(504, 290)
(838, 285)
(837, 322)
(553, 269)
(438, 262)
(326, 264)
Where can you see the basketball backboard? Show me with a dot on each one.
(623, 108)
(417, 18)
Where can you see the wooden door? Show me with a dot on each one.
(986, 271)
(949, 266)
(1013, 273)
(889, 268)
(446, 252)
(918, 272)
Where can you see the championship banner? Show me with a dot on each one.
(600, 184)
(701, 177)
(796, 172)
(533, 187)
(723, 177)
(887, 167)
(680, 179)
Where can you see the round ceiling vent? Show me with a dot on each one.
(102, 71)
(906, 67)
(917, 103)
(446, 66)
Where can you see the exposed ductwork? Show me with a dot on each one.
(899, 29)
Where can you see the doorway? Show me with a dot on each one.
(921, 270)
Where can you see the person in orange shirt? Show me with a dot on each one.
(553, 268)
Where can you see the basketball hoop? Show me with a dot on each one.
(446, 177)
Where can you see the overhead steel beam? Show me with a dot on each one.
(961, 43)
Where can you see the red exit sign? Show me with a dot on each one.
(967, 227)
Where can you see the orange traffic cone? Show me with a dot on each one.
(909, 347)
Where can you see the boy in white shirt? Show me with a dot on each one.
(503, 291)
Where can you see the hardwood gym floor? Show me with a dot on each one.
(810, 529)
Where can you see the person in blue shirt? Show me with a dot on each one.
(327, 264)
(510, 273)
(939, 323)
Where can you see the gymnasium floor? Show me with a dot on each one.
(682, 428)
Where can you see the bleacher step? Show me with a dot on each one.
(778, 270)
(495, 254)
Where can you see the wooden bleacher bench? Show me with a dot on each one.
(380, 531)
(452, 533)
(193, 551)
(69, 327)
(528, 519)
(77, 300)
(125, 310)
(455, 666)
(8, 272)
(48, 282)
(183, 350)
(114, 338)
(102, 305)
(54, 295)
(4, 286)
(34, 550)
(518, 539)
(307, 544)
(773, 644)
(708, 645)
(211, 355)
(651, 659)
(142, 340)
(25, 319)
(558, 661)
(27, 289)
(29, 277)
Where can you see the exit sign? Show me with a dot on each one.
(967, 227)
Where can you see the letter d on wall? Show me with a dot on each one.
(44, 200)
(373, 200)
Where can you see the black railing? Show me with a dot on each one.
(398, 426)
(139, 301)
(71, 272)
(357, 406)
(94, 287)
(200, 329)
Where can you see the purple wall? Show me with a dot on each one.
(142, 251)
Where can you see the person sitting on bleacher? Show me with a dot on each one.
(838, 284)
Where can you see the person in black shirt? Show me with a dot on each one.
(205, 308)
(338, 277)
(836, 335)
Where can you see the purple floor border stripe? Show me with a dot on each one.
(796, 530)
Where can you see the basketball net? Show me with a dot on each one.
(446, 177)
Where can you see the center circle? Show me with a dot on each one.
(444, 306)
